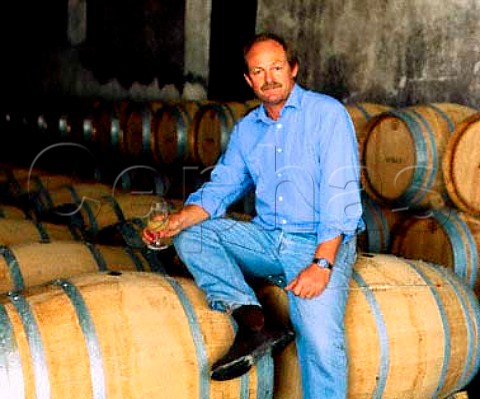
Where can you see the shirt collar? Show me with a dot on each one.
(293, 101)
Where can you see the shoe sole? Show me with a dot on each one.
(243, 364)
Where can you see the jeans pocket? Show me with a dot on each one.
(342, 270)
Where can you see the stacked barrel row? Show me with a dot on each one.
(161, 133)
(83, 319)
(139, 334)
(123, 330)
(79, 318)
(421, 179)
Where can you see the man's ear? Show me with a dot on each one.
(247, 78)
(295, 70)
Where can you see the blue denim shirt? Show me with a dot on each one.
(304, 168)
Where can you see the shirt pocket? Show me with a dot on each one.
(261, 164)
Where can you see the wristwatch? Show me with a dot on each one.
(322, 263)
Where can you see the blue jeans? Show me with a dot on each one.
(222, 253)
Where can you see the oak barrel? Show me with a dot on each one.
(212, 126)
(118, 335)
(25, 186)
(361, 113)
(76, 193)
(102, 128)
(173, 138)
(14, 231)
(10, 188)
(445, 236)
(461, 165)
(111, 210)
(68, 118)
(12, 212)
(135, 139)
(379, 220)
(128, 230)
(412, 332)
(403, 151)
(28, 264)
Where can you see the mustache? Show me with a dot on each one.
(271, 85)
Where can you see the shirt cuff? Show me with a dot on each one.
(324, 235)
(209, 206)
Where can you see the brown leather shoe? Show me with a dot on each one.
(249, 317)
(253, 340)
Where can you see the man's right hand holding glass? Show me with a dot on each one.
(177, 221)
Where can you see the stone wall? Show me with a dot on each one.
(385, 51)
(396, 52)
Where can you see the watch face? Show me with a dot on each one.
(322, 262)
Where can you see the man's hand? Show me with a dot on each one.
(310, 282)
(177, 221)
(167, 228)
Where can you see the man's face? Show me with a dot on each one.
(269, 73)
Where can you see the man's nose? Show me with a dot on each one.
(268, 76)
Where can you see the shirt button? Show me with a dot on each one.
(279, 150)
(280, 198)
(279, 126)
(279, 175)
(284, 221)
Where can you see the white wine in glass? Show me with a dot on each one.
(157, 220)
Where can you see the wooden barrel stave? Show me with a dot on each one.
(174, 139)
(135, 136)
(361, 113)
(102, 128)
(403, 151)
(119, 336)
(13, 212)
(28, 264)
(447, 237)
(461, 165)
(212, 125)
(79, 200)
(380, 221)
(111, 210)
(14, 231)
(394, 350)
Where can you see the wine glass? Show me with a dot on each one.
(157, 220)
